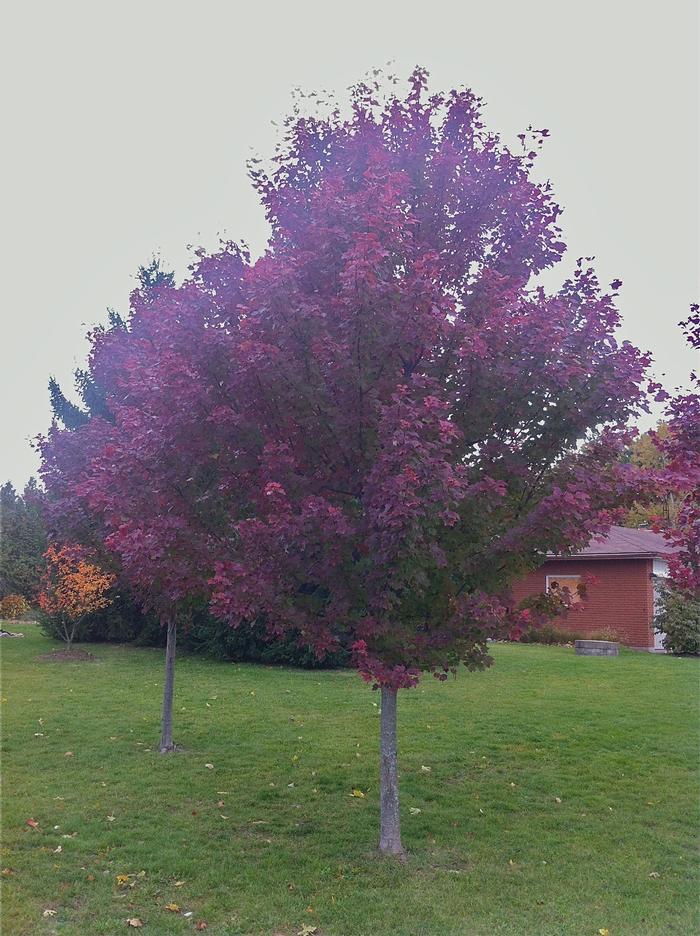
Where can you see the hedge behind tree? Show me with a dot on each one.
(124, 622)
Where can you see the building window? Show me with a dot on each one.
(565, 585)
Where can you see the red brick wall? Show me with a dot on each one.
(622, 599)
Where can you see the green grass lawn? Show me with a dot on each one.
(561, 798)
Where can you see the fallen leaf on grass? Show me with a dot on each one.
(33, 823)
(136, 922)
(414, 811)
(69, 754)
(654, 874)
(307, 930)
(173, 907)
(557, 799)
(200, 925)
(179, 883)
(122, 879)
(209, 766)
(6, 872)
(425, 769)
(357, 793)
(111, 818)
(604, 932)
(49, 913)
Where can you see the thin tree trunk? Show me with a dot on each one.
(68, 632)
(166, 733)
(390, 821)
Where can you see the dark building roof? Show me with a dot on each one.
(623, 542)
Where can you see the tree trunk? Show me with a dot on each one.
(68, 632)
(166, 732)
(390, 821)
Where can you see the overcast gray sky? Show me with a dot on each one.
(127, 126)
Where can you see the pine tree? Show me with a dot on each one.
(92, 396)
(22, 540)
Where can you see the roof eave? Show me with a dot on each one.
(615, 555)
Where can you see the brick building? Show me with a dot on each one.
(621, 598)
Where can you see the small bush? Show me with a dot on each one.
(550, 634)
(678, 617)
(13, 607)
(605, 633)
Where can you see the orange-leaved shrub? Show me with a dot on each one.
(71, 588)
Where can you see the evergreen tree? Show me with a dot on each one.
(22, 540)
(91, 394)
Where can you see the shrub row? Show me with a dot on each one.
(678, 616)
(124, 622)
(551, 634)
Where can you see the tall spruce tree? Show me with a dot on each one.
(22, 540)
(92, 396)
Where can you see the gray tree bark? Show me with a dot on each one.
(166, 732)
(68, 628)
(390, 820)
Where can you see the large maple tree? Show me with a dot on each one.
(364, 436)
(432, 420)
